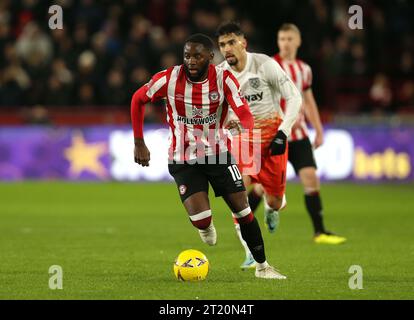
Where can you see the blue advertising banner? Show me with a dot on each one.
(106, 153)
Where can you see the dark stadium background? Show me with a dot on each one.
(130, 40)
(65, 117)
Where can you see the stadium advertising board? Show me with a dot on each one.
(105, 153)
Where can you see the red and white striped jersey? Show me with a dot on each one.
(301, 75)
(196, 111)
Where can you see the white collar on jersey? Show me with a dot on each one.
(197, 82)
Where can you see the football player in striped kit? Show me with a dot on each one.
(198, 96)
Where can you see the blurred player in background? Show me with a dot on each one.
(262, 83)
(300, 148)
(197, 96)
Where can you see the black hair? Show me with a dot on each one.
(229, 27)
(202, 39)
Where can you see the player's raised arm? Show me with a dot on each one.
(152, 91)
(236, 102)
(279, 80)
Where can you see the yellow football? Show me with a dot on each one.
(191, 265)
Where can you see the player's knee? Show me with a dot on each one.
(237, 201)
(258, 189)
(201, 220)
(309, 179)
(312, 182)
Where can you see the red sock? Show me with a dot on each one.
(246, 220)
(201, 220)
(243, 217)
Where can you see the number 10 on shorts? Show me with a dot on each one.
(235, 172)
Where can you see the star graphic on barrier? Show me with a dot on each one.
(84, 156)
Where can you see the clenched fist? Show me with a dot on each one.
(141, 153)
(278, 145)
(234, 127)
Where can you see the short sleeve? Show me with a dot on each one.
(157, 86)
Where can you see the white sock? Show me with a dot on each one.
(244, 244)
(263, 265)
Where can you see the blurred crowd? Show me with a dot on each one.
(109, 48)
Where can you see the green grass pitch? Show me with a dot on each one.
(119, 241)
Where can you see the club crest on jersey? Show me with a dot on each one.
(197, 112)
(254, 83)
(183, 189)
(214, 96)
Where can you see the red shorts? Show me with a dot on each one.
(261, 167)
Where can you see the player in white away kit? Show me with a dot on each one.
(300, 148)
(262, 83)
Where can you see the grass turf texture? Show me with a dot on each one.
(119, 241)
